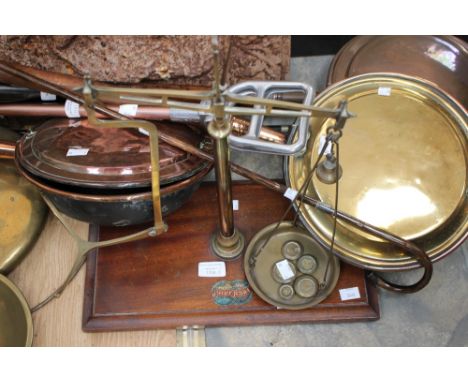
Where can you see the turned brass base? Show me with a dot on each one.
(227, 248)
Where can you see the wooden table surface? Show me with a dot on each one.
(59, 322)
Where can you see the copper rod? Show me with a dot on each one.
(58, 110)
(7, 150)
(405, 245)
(152, 113)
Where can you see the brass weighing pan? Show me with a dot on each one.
(16, 327)
(404, 162)
(310, 275)
(439, 59)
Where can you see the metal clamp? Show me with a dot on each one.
(272, 90)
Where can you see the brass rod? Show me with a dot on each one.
(224, 188)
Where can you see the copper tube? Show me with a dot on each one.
(65, 81)
(239, 126)
(58, 110)
(7, 150)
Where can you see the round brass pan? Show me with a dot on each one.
(310, 282)
(22, 215)
(439, 59)
(116, 158)
(22, 211)
(16, 327)
(404, 160)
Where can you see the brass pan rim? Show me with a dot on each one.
(457, 223)
(24, 305)
(22, 221)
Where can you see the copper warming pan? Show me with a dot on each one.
(109, 181)
(404, 162)
(442, 60)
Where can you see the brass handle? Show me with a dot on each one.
(150, 128)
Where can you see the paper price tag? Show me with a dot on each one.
(349, 294)
(48, 96)
(212, 269)
(290, 193)
(128, 109)
(322, 141)
(384, 91)
(284, 269)
(72, 109)
(143, 131)
(235, 205)
(77, 152)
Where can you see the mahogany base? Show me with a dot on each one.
(154, 283)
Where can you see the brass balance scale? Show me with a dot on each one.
(288, 264)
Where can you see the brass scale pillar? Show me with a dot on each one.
(217, 106)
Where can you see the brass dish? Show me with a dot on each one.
(404, 161)
(22, 215)
(16, 327)
(295, 290)
(439, 59)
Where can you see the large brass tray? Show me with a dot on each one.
(404, 161)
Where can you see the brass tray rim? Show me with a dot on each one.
(24, 304)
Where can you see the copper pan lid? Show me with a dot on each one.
(439, 59)
(73, 153)
(405, 169)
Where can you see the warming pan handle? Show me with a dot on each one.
(89, 97)
(426, 264)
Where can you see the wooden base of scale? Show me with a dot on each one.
(154, 283)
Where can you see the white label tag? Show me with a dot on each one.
(290, 193)
(77, 152)
(129, 110)
(212, 269)
(48, 96)
(72, 109)
(322, 141)
(284, 269)
(235, 205)
(143, 131)
(349, 294)
(384, 91)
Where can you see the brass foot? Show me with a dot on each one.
(227, 248)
